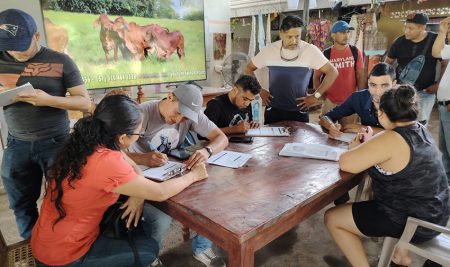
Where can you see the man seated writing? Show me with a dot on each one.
(364, 103)
(232, 112)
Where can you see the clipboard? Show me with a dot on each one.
(169, 170)
(7, 96)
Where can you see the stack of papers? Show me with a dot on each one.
(165, 172)
(229, 159)
(268, 131)
(313, 151)
(7, 97)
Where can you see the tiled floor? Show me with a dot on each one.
(307, 245)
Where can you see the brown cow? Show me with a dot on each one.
(109, 38)
(133, 37)
(163, 40)
(57, 37)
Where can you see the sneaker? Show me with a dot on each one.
(210, 259)
(157, 263)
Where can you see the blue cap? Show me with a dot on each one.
(341, 26)
(17, 29)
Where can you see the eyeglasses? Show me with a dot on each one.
(289, 59)
(138, 134)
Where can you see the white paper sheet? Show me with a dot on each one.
(7, 96)
(229, 159)
(314, 151)
(167, 171)
(268, 131)
(345, 137)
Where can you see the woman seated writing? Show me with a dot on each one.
(88, 176)
(408, 179)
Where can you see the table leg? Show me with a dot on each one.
(241, 255)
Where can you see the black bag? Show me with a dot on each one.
(112, 226)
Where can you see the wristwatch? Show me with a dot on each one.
(210, 151)
(317, 95)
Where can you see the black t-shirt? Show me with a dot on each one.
(224, 114)
(419, 190)
(405, 50)
(49, 71)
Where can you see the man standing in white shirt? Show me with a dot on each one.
(289, 63)
(440, 49)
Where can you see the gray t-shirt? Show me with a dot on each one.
(49, 71)
(162, 136)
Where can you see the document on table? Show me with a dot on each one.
(268, 131)
(229, 159)
(313, 151)
(345, 137)
(165, 172)
(8, 95)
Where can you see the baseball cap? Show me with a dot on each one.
(17, 29)
(417, 18)
(190, 101)
(341, 26)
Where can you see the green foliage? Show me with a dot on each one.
(194, 15)
(138, 8)
(86, 50)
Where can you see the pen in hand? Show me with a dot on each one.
(334, 128)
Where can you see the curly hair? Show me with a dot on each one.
(114, 115)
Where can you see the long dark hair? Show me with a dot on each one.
(400, 104)
(114, 115)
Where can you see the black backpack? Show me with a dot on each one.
(354, 49)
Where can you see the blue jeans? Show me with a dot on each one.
(426, 105)
(160, 223)
(444, 138)
(117, 252)
(24, 164)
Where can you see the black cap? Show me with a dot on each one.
(417, 18)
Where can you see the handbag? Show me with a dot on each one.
(112, 226)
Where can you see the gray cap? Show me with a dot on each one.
(190, 101)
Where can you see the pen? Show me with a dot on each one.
(327, 119)
(246, 117)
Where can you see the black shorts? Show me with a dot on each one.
(372, 221)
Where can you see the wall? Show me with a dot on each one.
(393, 28)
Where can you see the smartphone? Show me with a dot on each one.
(180, 153)
(366, 135)
(240, 139)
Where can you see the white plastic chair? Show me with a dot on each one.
(436, 249)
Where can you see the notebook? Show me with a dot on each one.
(7, 96)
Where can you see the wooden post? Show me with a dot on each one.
(140, 94)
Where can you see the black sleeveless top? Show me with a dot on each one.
(419, 190)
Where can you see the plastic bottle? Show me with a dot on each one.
(257, 109)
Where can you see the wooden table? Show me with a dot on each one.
(242, 210)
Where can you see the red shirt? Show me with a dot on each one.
(345, 83)
(72, 237)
